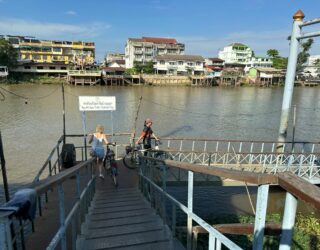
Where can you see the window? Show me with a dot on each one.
(180, 62)
(198, 63)
(39, 67)
(58, 50)
(190, 63)
(52, 67)
(162, 62)
(27, 67)
(172, 63)
(63, 68)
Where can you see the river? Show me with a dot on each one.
(31, 117)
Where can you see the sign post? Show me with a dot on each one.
(95, 103)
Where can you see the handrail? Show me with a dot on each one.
(296, 187)
(36, 178)
(220, 140)
(47, 184)
(249, 177)
(300, 188)
(233, 152)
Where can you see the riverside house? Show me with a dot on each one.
(179, 65)
(145, 49)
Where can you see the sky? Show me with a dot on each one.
(205, 26)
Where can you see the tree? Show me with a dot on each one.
(280, 62)
(273, 53)
(303, 55)
(148, 68)
(8, 55)
(143, 68)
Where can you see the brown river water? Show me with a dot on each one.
(31, 123)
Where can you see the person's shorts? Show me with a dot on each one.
(99, 153)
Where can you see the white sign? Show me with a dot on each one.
(97, 103)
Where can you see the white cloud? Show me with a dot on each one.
(45, 30)
(71, 12)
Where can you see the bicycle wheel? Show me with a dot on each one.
(115, 180)
(130, 160)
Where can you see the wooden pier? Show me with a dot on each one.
(157, 80)
(84, 77)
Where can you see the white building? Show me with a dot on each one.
(110, 57)
(258, 62)
(311, 70)
(236, 53)
(179, 64)
(145, 49)
(243, 54)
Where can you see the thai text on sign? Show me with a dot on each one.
(97, 103)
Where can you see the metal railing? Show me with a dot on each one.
(300, 158)
(53, 163)
(85, 188)
(296, 188)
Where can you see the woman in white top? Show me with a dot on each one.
(98, 148)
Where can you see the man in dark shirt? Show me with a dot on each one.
(147, 134)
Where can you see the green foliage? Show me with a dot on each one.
(304, 54)
(8, 55)
(280, 62)
(139, 68)
(306, 232)
(131, 71)
(273, 53)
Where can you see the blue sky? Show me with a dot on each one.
(204, 26)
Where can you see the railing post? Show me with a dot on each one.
(164, 188)
(62, 217)
(5, 232)
(190, 209)
(289, 216)
(212, 242)
(260, 218)
(174, 218)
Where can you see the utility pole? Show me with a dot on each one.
(290, 77)
(63, 114)
(291, 202)
(4, 171)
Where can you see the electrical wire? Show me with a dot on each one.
(27, 97)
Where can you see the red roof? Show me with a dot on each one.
(215, 59)
(120, 61)
(160, 40)
(213, 67)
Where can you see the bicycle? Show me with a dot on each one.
(131, 157)
(110, 165)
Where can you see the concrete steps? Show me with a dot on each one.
(122, 219)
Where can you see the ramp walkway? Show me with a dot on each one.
(123, 219)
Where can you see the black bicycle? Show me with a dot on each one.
(110, 165)
(131, 158)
